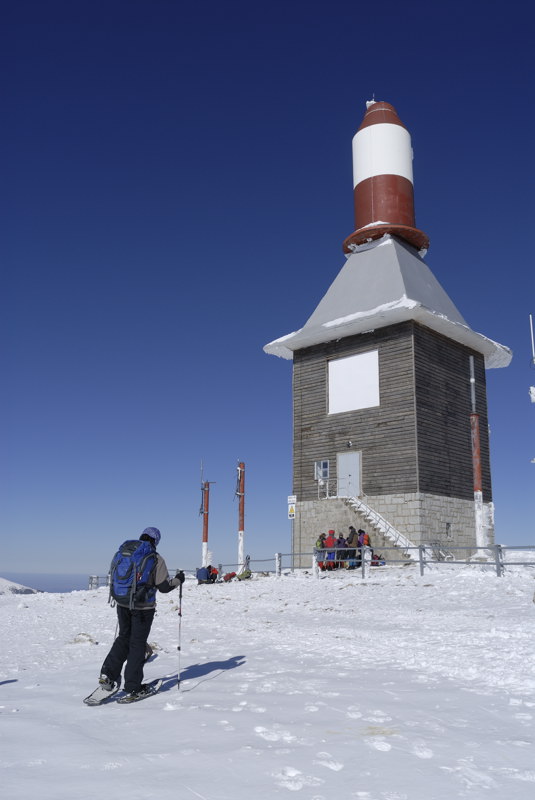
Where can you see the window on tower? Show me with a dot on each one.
(321, 470)
(353, 382)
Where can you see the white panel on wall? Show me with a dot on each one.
(354, 382)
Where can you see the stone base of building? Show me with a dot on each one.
(443, 522)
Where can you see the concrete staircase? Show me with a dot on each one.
(381, 525)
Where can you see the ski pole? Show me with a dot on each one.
(179, 633)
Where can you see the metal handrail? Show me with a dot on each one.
(386, 528)
(496, 556)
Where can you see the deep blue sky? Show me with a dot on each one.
(176, 187)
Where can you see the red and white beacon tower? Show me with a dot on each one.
(383, 186)
(388, 378)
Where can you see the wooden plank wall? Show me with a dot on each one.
(418, 439)
(386, 435)
(442, 372)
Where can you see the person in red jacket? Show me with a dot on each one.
(330, 542)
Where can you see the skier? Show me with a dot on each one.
(134, 628)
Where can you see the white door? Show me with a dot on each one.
(348, 472)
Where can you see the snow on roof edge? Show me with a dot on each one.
(496, 355)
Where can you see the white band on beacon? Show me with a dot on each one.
(382, 149)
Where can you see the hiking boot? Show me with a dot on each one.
(106, 683)
(138, 694)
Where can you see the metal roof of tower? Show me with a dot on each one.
(382, 283)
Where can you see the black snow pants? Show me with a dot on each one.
(129, 646)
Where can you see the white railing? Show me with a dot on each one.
(379, 522)
(329, 489)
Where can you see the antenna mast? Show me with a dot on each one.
(240, 494)
(476, 462)
(205, 510)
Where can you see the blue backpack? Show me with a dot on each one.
(132, 573)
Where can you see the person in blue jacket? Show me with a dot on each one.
(134, 628)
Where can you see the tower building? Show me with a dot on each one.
(390, 429)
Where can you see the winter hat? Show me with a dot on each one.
(154, 533)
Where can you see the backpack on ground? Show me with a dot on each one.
(132, 573)
(203, 575)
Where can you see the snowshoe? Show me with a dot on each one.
(105, 690)
(147, 690)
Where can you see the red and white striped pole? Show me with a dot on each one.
(476, 463)
(205, 510)
(240, 491)
(476, 452)
(382, 180)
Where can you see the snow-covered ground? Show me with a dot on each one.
(394, 687)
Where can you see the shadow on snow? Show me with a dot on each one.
(202, 671)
